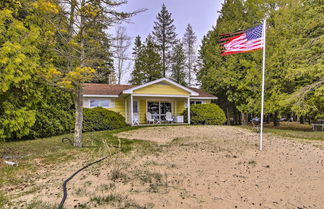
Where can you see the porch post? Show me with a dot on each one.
(188, 105)
(131, 109)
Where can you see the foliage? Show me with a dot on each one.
(23, 41)
(206, 114)
(178, 73)
(164, 36)
(99, 119)
(148, 66)
(293, 64)
(189, 40)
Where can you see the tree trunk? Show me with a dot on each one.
(78, 100)
(301, 119)
(228, 115)
(244, 118)
(267, 118)
(276, 121)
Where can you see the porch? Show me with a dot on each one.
(153, 110)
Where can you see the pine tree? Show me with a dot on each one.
(164, 35)
(148, 66)
(178, 73)
(189, 40)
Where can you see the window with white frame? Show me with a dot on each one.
(106, 103)
(196, 102)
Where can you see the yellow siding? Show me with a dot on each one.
(119, 106)
(180, 107)
(207, 101)
(158, 89)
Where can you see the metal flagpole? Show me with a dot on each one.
(263, 75)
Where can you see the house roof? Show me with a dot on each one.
(104, 89)
(117, 89)
(201, 93)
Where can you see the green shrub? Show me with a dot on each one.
(99, 119)
(206, 114)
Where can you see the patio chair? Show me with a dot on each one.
(168, 117)
(136, 119)
(149, 118)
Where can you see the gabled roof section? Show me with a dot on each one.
(192, 92)
(202, 94)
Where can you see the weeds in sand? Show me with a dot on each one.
(252, 162)
(39, 205)
(117, 174)
(118, 201)
(107, 187)
(3, 199)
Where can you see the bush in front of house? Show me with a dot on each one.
(205, 114)
(99, 119)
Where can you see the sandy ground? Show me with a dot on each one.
(195, 168)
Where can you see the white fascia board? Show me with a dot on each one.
(159, 95)
(98, 95)
(203, 97)
(130, 91)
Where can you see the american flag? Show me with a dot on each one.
(243, 41)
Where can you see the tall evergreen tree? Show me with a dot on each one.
(178, 59)
(148, 66)
(165, 36)
(189, 41)
(293, 78)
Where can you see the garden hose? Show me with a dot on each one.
(74, 174)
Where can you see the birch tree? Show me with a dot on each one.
(189, 41)
(77, 33)
(121, 45)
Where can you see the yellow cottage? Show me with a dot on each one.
(156, 102)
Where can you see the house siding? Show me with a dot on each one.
(159, 89)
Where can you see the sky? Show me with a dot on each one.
(201, 14)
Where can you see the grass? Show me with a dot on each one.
(292, 130)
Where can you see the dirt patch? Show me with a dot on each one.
(196, 167)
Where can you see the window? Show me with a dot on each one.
(135, 106)
(195, 102)
(106, 103)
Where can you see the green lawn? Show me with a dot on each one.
(293, 130)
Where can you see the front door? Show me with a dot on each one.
(158, 109)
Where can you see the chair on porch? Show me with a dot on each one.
(168, 117)
(135, 119)
(149, 118)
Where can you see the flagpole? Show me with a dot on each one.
(263, 75)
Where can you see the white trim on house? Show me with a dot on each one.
(159, 95)
(203, 98)
(130, 91)
(100, 95)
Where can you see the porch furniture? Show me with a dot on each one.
(178, 119)
(168, 117)
(135, 119)
(149, 118)
(321, 126)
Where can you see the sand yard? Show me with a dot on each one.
(192, 168)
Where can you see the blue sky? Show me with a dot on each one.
(201, 14)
